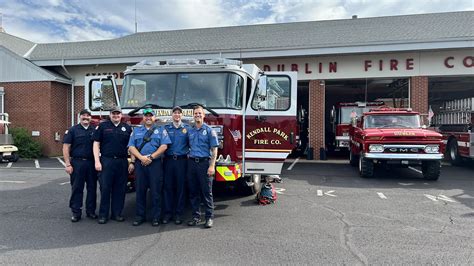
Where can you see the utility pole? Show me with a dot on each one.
(1, 23)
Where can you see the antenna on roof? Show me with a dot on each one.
(136, 25)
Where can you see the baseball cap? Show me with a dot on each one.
(116, 109)
(177, 108)
(85, 111)
(148, 111)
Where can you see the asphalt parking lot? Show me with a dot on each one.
(325, 214)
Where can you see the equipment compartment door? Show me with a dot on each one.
(271, 123)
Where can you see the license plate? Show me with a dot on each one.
(404, 162)
(7, 153)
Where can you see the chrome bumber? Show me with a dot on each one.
(402, 156)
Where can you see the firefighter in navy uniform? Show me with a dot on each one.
(147, 146)
(79, 160)
(110, 141)
(175, 168)
(203, 145)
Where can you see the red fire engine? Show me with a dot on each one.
(394, 136)
(253, 112)
(341, 117)
(454, 122)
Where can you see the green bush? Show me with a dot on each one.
(27, 146)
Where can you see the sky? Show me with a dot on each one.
(46, 21)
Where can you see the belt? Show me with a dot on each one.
(115, 157)
(176, 157)
(82, 158)
(199, 159)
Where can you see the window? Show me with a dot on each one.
(102, 95)
(275, 96)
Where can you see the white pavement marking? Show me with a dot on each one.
(416, 170)
(9, 165)
(279, 190)
(37, 164)
(439, 197)
(64, 183)
(320, 193)
(406, 184)
(61, 161)
(381, 195)
(293, 164)
(14, 182)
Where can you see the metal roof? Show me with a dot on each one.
(448, 30)
(15, 44)
(14, 68)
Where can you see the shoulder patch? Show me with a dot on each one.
(213, 133)
(165, 132)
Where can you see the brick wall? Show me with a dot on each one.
(419, 94)
(39, 106)
(316, 116)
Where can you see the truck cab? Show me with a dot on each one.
(394, 136)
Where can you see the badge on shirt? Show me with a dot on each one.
(123, 129)
(156, 131)
(204, 132)
(184, 131)
(65, 132)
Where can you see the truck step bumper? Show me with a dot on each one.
(398, 156)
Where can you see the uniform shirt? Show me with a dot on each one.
(157, 138)
(113, 139)
(179, 139)
(81, 140)
(201, 141)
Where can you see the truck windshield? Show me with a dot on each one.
(345, 113)
(213, 90)
(392, 121)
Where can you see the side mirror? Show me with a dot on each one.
(262, 86)
(333, 115)
(262, 105)
(424, 126)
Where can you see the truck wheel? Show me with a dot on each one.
(353, 160)
(254, 188)
(431, 169)
(453, 152)
(366, 167)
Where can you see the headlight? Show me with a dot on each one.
(376, 148)
(432, 149)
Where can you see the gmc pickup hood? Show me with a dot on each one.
(405, 133)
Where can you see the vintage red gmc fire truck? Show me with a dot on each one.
(394, 136)
(253, 113)
(454, 122)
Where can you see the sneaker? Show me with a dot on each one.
(178, 220)
(194, 222)
(138, 221)
(75, 218)
(209, 223)
(155, 222)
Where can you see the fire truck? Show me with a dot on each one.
(394, 136)
(454, 122)
(253, 112)
(341, 116)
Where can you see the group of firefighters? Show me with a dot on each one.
(167, 160)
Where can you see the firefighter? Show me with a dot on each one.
(79, 160)
(110, 141)
(203, 145)
(175, 168)
(147, 145)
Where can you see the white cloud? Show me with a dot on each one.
(75, 20)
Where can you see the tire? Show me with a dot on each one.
(253, 189)
(353, 159)
(15, 157)
(453, 153)
(431, 170)
(366, 168)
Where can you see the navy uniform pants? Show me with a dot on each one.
(149, 177)
(174, 186)
(113, 186)
(83, 174)
(200, 184)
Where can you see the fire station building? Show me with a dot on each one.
(414, 61)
